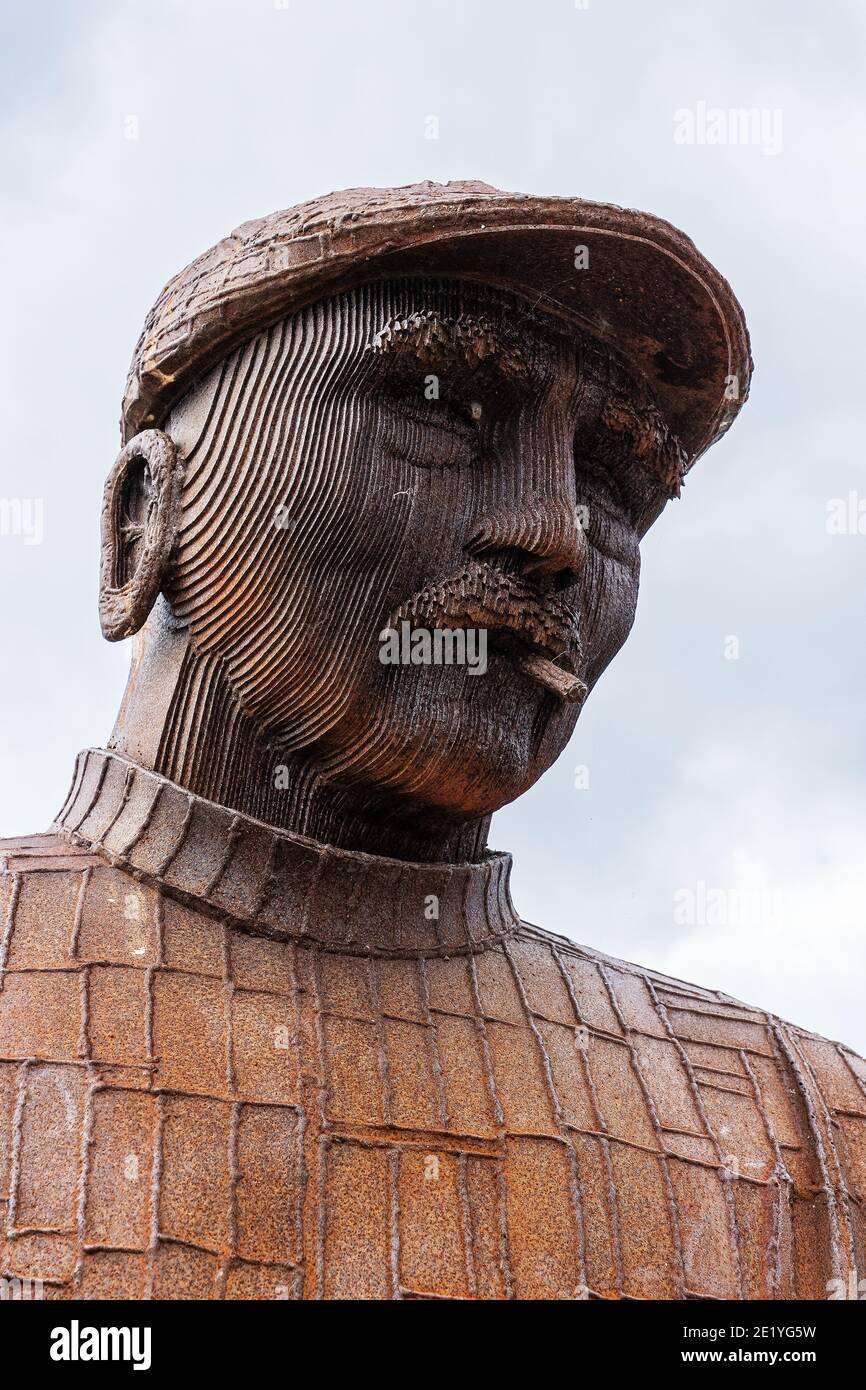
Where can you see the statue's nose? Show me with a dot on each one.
(545, 537)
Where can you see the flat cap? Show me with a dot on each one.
(627, 278)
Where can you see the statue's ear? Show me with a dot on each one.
(140, 509)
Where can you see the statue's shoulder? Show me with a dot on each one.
(27, 859)
(721, 1084)
(61, 907)
(51, 851)
(618, 997)
(53, 890)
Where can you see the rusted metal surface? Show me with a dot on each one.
(270, 1026)
(191, 1110)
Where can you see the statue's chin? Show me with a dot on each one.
(472, 771)
(443, 743)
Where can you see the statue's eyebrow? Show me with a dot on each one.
(429, 337)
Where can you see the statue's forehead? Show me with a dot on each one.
(401, 325)
(503, 312)
(462, 328)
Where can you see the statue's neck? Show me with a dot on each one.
(179, 718)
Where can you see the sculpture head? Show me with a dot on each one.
(412, 453)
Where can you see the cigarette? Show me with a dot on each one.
(569, 688)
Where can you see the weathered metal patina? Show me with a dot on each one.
(270, 1026)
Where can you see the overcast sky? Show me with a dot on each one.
(722, 836)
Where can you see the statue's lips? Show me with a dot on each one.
(515, 614)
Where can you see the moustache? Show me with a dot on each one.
(541, 625)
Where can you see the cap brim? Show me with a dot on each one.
(643, 287)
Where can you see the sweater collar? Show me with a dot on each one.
(272, 882)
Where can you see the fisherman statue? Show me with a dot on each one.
(270, 1026)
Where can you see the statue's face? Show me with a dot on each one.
(421, 451)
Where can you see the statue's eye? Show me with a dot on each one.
(430, 434)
